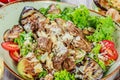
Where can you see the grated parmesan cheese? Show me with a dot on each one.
(38, 68)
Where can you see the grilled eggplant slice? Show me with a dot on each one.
(30, 19)
(13, 33)
(92, 71)
(107, 4)
(88, 69)
(100, 5)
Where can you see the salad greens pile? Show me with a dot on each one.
(104, 26)
(80, 16)
(25, 42)
(104, 30)
(94, 55)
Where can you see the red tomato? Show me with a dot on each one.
(108, 50)
(14, 55)
(11, 0)
(4, 1)
(106, 44)
(10, 46)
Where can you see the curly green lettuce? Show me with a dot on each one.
(80, 16)
(24, 41)
(64, 75)
(104, 30)
(94, 55)
(42, 74)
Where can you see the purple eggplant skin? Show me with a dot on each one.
(25, 9)
(28, 15)
(99, 5)
(88, 69)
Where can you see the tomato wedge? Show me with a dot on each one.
(108, 50)
(10, 46)
(106, 44)
(111, 53)
(14, 55)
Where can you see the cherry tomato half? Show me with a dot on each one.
(4, 1)
(108, 50)
(7, 1)
(10, 46)
(106, 44)
(14, 55)
(111, 53)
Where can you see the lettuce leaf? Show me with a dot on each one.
(24, 41)
(80, 16)
(104, 30)
(94, 55)
(42, 74)
(64, 75)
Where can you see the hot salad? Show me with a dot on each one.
(55, 44)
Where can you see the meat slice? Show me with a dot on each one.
(53, 9)
(80, 43)
(73, 30)
(57, 61)
(44, 44)
(42, 25)
(69, 64)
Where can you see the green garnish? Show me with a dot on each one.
(104, 30)
(64, 75)
(42, 74)
(94, 55)
(24, 41)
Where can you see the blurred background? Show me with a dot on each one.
(88, 3)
